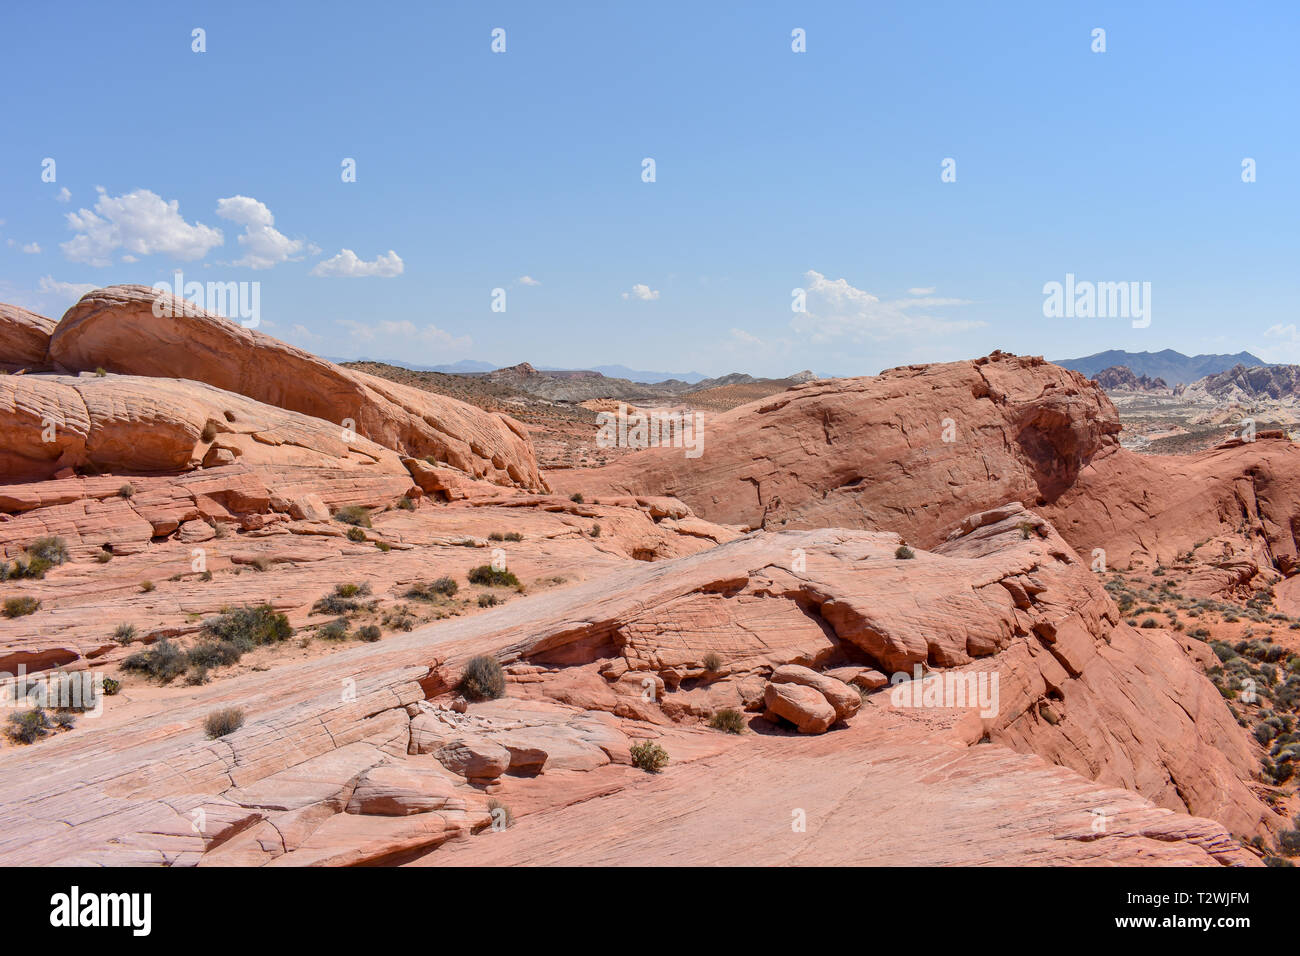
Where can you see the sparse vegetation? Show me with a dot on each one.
(443, 587)
(483, 679)
(163, 662)
(577, 497)
(147, 586)
(29, 726)
(335, 630)
(356, 534)
(488, 600)
(405, 504)
(124, 634)
(354, 515)
(53, 550)
(343, 600)
(489, 576)
(903, 552)
(712, 662)
(649, 756)
(219, 723)
(370, 633)
(595, 530)
(502, 818)
(249, 627)
(127, 490)
(21, 606)
(729, 720)
(111, 687)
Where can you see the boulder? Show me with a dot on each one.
(395, 790)
(803, 706)
(838, 694)
(24, 338)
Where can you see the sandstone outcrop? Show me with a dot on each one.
(909, 450)
(53, 423)
(116, 328)
(24, 338)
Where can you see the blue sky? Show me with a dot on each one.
(775, 170)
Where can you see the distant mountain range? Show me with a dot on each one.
(1174, 367)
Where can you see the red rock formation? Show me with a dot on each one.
(24, 338)
(1237, 507)
(875, 452)
(116, 328)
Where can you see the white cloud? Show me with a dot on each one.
(407, 332)
(32, 248)
(64, 195)
(745, 338)
(528, 280)
(346, 263)
(264, 246)
(838, 310)
(64, 292)
(1286, 332)
(642, 292)
(140, 222)
(929, 291)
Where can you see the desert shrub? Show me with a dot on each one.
(903, 552)
(483, 679)
(514, 536)
(649, 756)
(1223, 650)
(51, 549)
(383, 546)
(1026, 529)
(127, 490)
(163, 662)
(249, 627)
(196, 676)
(356, 534)
(1149, 622)
(1289, 840)
(400, 618)
(405, 503)
(214, 653)
(111, 687)
(124, 633)
(21, 606)
(29, 566)
(343, 600)
(147, 586)
(335, 630)
(489, 576)
(712, 662)
(577, 497)
(219, 723)
(353, 515)
(728, 719)
(432, 590)
(370, 633)
(595, 530)
(28, 726)
(103, 557)
(488, 600)
(497, 536)
(64, 720)
(100, 373)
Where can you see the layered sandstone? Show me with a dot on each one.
(908, 450)
(1005, 594)
(24, 338)
(118, 329)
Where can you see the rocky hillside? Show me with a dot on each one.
(1241, 385)
(1119, 378)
